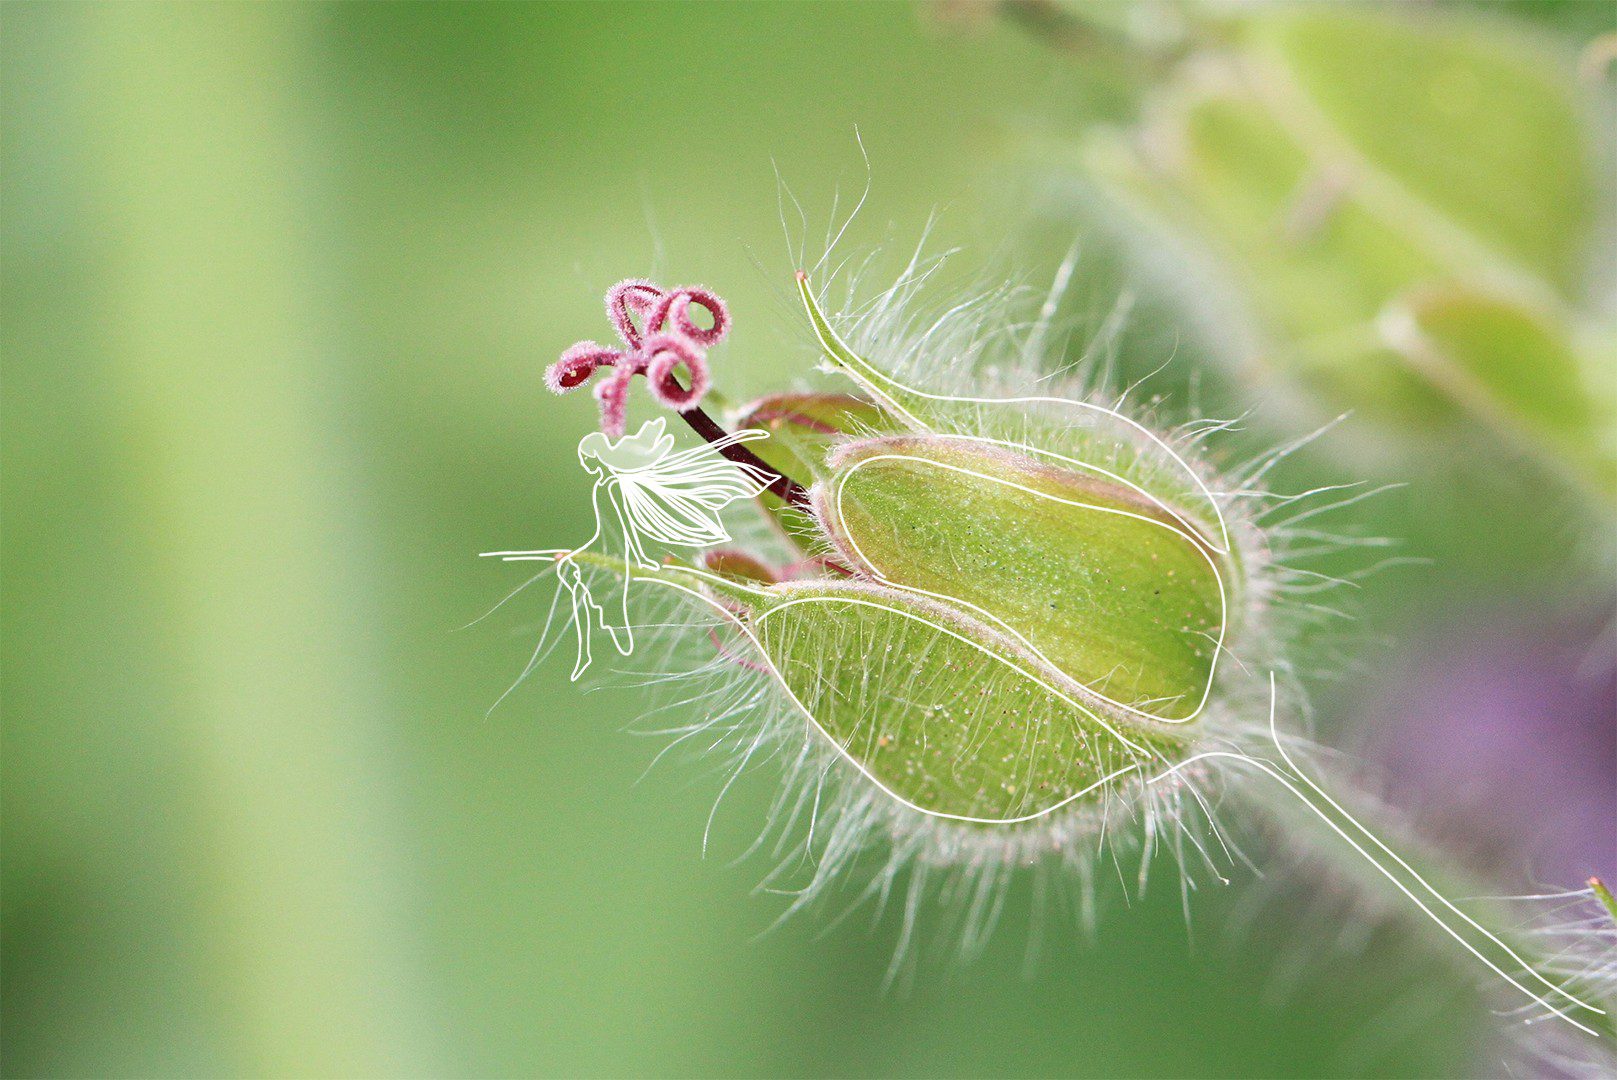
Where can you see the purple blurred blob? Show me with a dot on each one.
(1502, 737)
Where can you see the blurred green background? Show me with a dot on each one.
(278, 285)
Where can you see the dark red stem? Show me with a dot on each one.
(782, 486)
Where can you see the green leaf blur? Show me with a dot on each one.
(278, 284)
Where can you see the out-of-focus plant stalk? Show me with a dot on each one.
(1403, 209)
(213, 326)
(1410, 878)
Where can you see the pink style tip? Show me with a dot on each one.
(665, 340)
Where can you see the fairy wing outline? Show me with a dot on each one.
(675, 500)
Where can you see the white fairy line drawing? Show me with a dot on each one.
(656, 495)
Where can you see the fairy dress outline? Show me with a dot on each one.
(655, 494)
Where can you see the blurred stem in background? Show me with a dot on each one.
(1401, 210)
(246, 499)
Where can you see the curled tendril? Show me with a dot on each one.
(665, 340)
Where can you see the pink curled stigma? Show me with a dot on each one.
(665, 343)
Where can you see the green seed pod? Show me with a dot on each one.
(1014, 607)
(1097, 579)
(986, 621)
(943, 711)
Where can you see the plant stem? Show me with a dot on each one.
(782, 486)
(1496, 936)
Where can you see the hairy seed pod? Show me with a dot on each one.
(991, 621)
(1007, 609)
